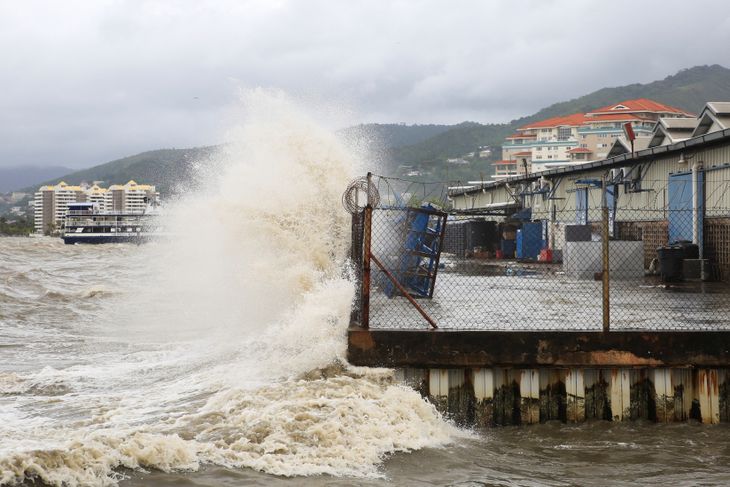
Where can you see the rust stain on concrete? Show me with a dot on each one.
(608, 357)
(362, 340)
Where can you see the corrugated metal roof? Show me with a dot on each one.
(708, 117)
(679, 123)
(620, 160)
(720, 107)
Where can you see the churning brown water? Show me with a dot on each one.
(217, 357)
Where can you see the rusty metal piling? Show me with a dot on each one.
(367, 226)
(605, 265)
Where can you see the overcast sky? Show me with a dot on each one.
(84, 82)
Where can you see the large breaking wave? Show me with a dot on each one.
(223, 345)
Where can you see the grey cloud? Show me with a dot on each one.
(84, 82)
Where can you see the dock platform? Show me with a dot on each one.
(485, 378)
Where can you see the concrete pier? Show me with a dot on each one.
(486, 397)
(507, 378)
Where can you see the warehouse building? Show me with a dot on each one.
(676, 189)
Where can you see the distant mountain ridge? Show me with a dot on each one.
(689, 89)
(393, 135)
(164, 168)
(12, 178)
(425, 149)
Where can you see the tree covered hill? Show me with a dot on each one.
(165, 168)
(425, 149)
(12, 178)
(689, 90)
(390, 135)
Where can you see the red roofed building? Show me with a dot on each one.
(578, 138)
(574, 120)
(540, 145)
(650, 108)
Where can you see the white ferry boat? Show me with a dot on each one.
(85, 224)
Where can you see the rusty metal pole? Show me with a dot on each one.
(605, 266)
(356, 253)
(366, 240)
(404, 292)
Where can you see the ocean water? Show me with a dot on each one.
(217, 356)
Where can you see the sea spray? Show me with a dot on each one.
(267, 230)
(223, 345)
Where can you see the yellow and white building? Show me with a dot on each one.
(51, 201)
(129, 198)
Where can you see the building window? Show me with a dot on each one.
(564, 133)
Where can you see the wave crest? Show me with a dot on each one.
(343, 425)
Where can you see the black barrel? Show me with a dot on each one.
(670, 262)
(689, 249)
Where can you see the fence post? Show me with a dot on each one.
(367, 225)
(605, 266)
(356, 256)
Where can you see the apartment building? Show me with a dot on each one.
(51, 201)
(578, 138)
(129, 198)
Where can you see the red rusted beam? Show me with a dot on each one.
(403, 291)
(445, 348)
(367, 224)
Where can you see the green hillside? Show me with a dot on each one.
(425, 149)
(390, 135)
(165, 168)
(689, 89)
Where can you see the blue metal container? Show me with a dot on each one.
(529, 241)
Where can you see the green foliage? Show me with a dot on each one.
(425, 148)
(164, 168)
(19, 227)
(689, 90)
(459, 140)
(388, 136)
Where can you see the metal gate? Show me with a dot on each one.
(681, 206)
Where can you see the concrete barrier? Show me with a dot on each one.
(582, 260)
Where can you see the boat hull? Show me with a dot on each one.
(71, 239)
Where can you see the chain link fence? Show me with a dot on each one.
(542, 265)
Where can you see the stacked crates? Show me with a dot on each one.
(418, 264)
